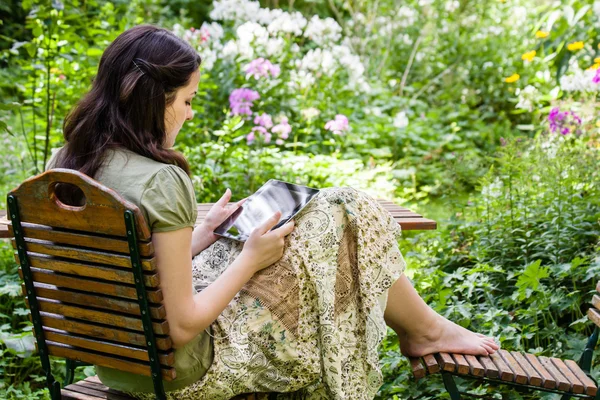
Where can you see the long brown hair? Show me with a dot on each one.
(138, 77)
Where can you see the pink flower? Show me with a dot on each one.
(596, 78)
(250, 138)
(261, 68)
(262, 130)
(240, 101)
(337, 125)
(264, 120)
(279, 142)
(283, 128)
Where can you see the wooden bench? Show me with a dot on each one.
(548, 374)
(91, 282)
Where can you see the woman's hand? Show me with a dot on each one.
(203, 235)
(263, 248)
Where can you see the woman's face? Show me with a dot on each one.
(181, 109)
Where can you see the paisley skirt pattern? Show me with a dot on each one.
(309, 325)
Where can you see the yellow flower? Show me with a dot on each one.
(597, 60)
(512, 78)
(595, 66)
(528, 56)
(541, 34)
(575, 46)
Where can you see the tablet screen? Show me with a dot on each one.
(272, 196)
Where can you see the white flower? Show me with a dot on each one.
(274, 46)
(215, 31)
(597, 9)
(300, 79)
(252, 32)
(230, 50)
(401, 120)
(405, 16)
(526, 97)
(579, 81)
(287, 23)
(452, 5)
(234, 10)
(310, 113)
(494, 189)
(323, 31)
(209, 56)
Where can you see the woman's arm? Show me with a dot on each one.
(188, 314)
(202, 238)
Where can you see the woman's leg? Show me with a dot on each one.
(422, 331)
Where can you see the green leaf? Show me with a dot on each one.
(530, 278)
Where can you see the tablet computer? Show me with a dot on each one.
(272, 196)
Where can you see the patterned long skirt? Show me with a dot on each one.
(309, 325)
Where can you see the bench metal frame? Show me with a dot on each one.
(53, 384)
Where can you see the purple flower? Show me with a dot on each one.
(279, 141)
(261, 68)
(262, 130)
(250, 138)
(283, 128)
(240, 101)
(565, 131)
(502, 142)
(264, 120)
(564, 122)
(337, 125)
(596, 78)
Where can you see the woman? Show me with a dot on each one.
(298, 309)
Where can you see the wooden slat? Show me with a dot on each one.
(446, 362)
(84, 239)
(491, 371)
(99, 317)
(519, 373)
(88, 271)
(70, 395)
(103, 208)
(53, 335)
(97, 301)
(60, 350)
(598, 287)
(90, 256)
(594, 316)
(533, 377)
(103, 388)
(85, 387)
(506, 373)
(431, 363)
(417, 368)
(475, 367)
(549, 381)
(589, 386)
(596, 301)
(94, 380)
(89, 285)
(461, 363)
(576, 386)
(563, 383)
(100, 332)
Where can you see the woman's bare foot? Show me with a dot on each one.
(446, 336)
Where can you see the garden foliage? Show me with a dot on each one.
(479, 114)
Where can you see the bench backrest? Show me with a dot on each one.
(79, 261)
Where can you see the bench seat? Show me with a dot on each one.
(546, 373)
(92, 389)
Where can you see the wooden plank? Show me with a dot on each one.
(598, 287)
(533, 377)
(431, 363)
(576, 386)
(596, 301)
(519, 373)
(99, 317)
(549, 381)
(100, 332)
(589, 386)
(461, 363)
(88, 270)
(84, 239)
(491, 371)
(563, 383)
(85, 388)
(594, 316)
(103, 207)
(60, 350)
(475, 367)
(90, 256)
(68, 394)
(417, 368)
(96, 301)
(93, 380)
(89, 285)
(103, 388)
(166, 359)
(506, 373)
(446, 362)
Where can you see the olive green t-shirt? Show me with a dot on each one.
(165, 196)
